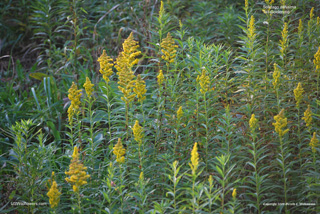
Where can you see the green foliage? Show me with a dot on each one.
(221, 74)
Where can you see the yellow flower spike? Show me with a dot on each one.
(161, 11)
(276, 76)
(253, 123)
(138, 132)
(251, 29)
(160, 78)
(269, 2)
(308, 116)
(125, 61)
(77, 172)
(311, 13)
(194, 159)
(284, 39)
(74, 96)
(318, 21)
(298, 94)
(181, 25)
(179, 113)
(280, 124)
(316, 60)
(234, 194)
(54, 194)
(119, 151)
(106, 64)
(204, 81)
(168, 48)
(141, 177)
(246, 4)
(314, 143)
(140, 89)
(88, 87)
(300, 27)
(130, 51)
(210, 180)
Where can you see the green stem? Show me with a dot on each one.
(109, 113)
(207, 131)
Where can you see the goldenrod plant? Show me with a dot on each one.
(53, 193)
(194, 166)
(124, 64)
(78, 175)
(281, 129)
(106, 65)
(125, 89)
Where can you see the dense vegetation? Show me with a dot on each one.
(182, 106)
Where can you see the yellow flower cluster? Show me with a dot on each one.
(280, 124)
(106, 64)
(140, 89)
(125, 61)
(314, 142)
(161, 11)
(169, 49)
(276, 76)
(74, 95)
(300, 27)
(194, 159)
(252, 29)
(119, 151)
(316, 60)
(253, 123)
(130, 51)
(204, 81)
(77, 171)
(284, 39)
(179, 113)
(234, 194)
(53, 194)
(141, 176)
(269, 2)
(246, 4)
(160, 78)
(311, 13)
(137, 132)
(308, 116)
(298, 91)
(88, 86)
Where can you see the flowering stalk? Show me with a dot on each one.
(78, 175)
(194, 166)
(204, 81)
(308, 118)
(276, 82)
(74, 96)
(119, 151)
(160, 80)
(284, 42)
(316, 63)
(179, 115)
(280, 124)
(106, 64)
(138, 136)
(267, 46)
(253, 124)
(298, 97)
(140, 90)
(53, 193)
(89, 90)
(125, 61)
